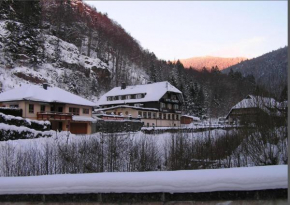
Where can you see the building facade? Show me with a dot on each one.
(156, 104)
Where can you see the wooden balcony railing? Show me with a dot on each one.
(54, 116)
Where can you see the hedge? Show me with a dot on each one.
(12, 132)
(19, 121)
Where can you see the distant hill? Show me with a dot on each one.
(210, 61)
(269, 70)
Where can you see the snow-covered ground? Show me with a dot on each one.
(249, 178)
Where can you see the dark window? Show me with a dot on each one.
(74, 110)
(52, 108)
(144, 114)
(86, 111)
(31, 108)
(149, 115)
(177, 117)
(164, 116)
(59, 109)
(42, 108)
(123, 97)
(140, 113)
(168, 116)
(154, 115)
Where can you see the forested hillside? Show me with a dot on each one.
(73, 46)
(269, 70)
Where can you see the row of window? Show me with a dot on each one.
(149, 115)
(171, 97)
(169, 106)
(153, 115)
(73, 110)
(126, 97)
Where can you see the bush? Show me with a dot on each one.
(19, 121)
(12, 132)
(11, 111)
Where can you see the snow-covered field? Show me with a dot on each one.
(250, 178)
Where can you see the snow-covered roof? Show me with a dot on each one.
(153, 92)
(83, 119)
(192, 117)
(252, 101)
(126, 106)
(38, 93)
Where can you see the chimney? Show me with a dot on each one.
(123, 86)
(44, 86)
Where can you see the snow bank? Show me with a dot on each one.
(233, 179)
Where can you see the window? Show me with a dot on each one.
(133, 96)
(14, 106)
(175, 107)
(147, 124)
(126, 113)
(42, 108)
(74, 110)
(149, 115)
(162, 105)
(177, 117)
(31, 108)
(109, 98)
(169, 106)
(139, 113)
(138, 96)
(86, 111)
(145, 115)
(52, 108)
(116, 98)
(168, 116)
(59, 109)
(164, 116)
(123, 97)
(154, 115)
(160, 115)
(128, 97)
(173, 97)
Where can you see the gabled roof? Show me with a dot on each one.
(153, 92)
(38, 93)
(252, 101)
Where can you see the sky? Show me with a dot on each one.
(184, 29)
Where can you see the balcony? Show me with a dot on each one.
(170, 110)
(171, 100)
(54, 116)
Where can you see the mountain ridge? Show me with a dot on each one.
(209, 61)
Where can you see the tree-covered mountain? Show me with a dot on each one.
(71, 45)
(269, 70)
(210, 61)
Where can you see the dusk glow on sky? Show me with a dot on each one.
(178, 30)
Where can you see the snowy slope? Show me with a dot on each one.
(74, 71)
(234, 179)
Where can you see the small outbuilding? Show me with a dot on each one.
(187, 119)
